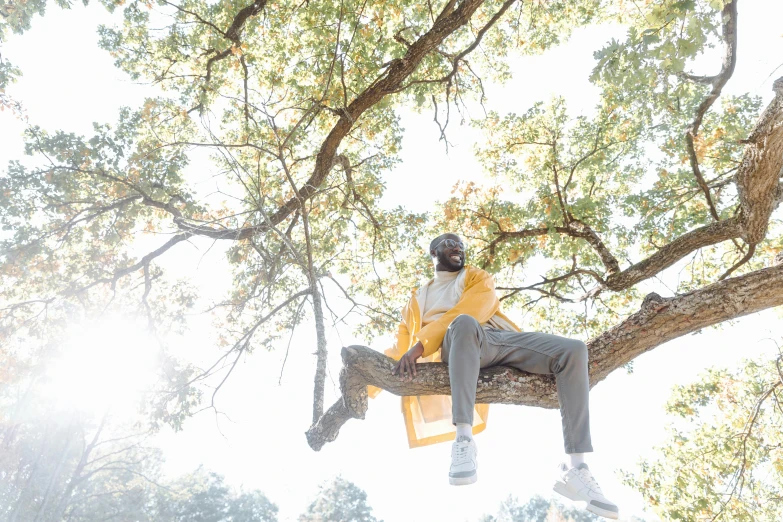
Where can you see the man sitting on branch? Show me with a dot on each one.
(458, 314)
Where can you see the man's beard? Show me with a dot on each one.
(451, 265)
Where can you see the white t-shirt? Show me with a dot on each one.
(441, 295)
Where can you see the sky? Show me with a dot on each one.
(259, 443)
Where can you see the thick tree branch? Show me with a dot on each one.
(238, 24)
(659, 320)
(388, 83)
(232, 33)
(455, 61)
(662, 320)
(758, 177)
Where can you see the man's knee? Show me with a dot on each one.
(464, 323)
(574, 354)
(463, 328)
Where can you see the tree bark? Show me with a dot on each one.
(659, 320)
(758, 178)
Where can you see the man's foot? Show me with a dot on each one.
(464, 462)
(578, 484)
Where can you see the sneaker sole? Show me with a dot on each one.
(463, 481)
(561, 488)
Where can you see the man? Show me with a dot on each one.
(458, 313)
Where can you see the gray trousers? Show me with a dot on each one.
(467, 347)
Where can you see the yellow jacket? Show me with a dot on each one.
(428, 418)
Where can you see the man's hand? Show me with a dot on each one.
(406, 366)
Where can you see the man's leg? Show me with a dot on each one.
(543, 353)
(463, 347)
(567, 359)
(467, 347)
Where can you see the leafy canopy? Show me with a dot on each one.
(293, 108)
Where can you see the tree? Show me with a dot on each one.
(203, 497)
(296, 101)
(49, 473)
(539, 509)
(339, 500)
(68, 465)
(723, 457)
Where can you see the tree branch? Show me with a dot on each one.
(759, 173)
(672, 252)
(588, 234)
(760, 192)
(729, 15)
(574, 228)
(142, 263)
(462, 54)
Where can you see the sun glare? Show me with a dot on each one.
(104, 364)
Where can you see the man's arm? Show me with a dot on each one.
(403, 338)
(406, 358)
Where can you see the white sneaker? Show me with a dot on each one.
(464, 462)
(578, 484)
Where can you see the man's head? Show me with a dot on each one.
(448, 253)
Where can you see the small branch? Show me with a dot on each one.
(142, 264)
(694, 161)
(587, 233)
(729, 15)
(575, 228)
(745, 259)
(247, 335)
(573, 272)
(442, 127)
(196, 16)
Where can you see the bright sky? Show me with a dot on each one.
(68, 83)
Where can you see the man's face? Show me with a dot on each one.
(450, 253)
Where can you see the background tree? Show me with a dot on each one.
(292, 105)
(202, 496)
(339, 500)
(540, 509)
(66, 464)
(723, 458)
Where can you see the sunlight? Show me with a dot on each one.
(104, 364)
